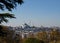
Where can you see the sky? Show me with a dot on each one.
(36, 12)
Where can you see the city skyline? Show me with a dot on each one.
(37, 13)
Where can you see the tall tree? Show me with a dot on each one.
(3, 18)
(7, 4)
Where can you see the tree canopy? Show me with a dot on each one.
(9, 4)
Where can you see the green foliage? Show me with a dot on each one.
(4, 16)
(9, 4)
(33, 40)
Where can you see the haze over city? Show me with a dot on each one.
(37, 13)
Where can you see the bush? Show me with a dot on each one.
(33, 40)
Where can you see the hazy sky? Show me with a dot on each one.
(36, 12)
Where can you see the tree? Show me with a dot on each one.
(9, 4)
(4, 16)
